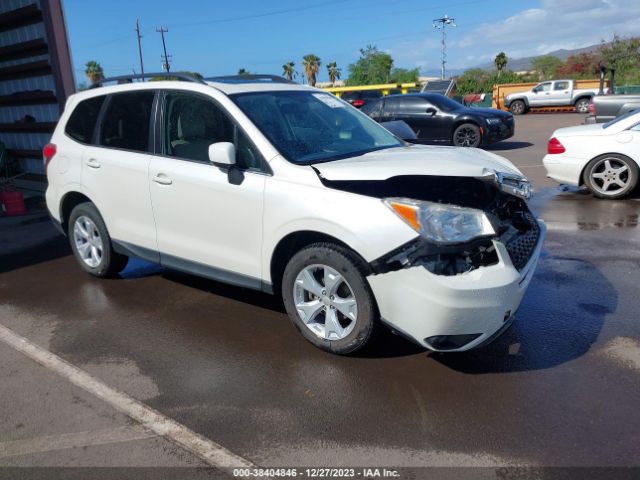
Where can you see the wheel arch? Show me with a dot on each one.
(68, 202)
(581, 97)
(292, 243)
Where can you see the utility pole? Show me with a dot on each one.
(139, 47)
(441, 24)
(165, 57)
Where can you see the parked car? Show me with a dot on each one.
(556, 93)
(604, 157)
(604, 108)
(437, 119)
(361, 98)
(269, 185)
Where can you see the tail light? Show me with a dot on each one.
(555, 146)
(592, 108)
(48, 152)
(358, 103)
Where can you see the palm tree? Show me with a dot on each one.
(311, 64)
(244, 71)
(288, 70)
(334, 72)
(93, 71)
(500, 62)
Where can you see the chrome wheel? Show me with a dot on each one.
(88, 241)
(609, 176)
(325, 302)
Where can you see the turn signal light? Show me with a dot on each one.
(592, 108)
(555, 146)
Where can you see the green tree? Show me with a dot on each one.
(93, 71)
(622, 55)
(334, 72)
(500, 62)
(546, 66)
(289, 70)
(402, 75)
(243, 71)
(371, 68)
(311, 65)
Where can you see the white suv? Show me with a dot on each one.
(266, 184)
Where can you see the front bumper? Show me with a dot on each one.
(496, 132)
(422, 305)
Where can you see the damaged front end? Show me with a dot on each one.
(501, 197)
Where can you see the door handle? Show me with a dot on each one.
(93, 163)
(162, 179)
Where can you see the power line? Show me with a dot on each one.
(442, 24)
(165, 58)
(139, 46)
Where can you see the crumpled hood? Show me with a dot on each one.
(417, 160)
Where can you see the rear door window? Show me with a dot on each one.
(561, 86)
(82, 121)
(126, 122)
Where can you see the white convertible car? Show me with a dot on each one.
(604, 157)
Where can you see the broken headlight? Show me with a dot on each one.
(441, 223)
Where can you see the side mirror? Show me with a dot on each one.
(431, 111)
(222, 153)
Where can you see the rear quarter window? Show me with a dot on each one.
(82, 121)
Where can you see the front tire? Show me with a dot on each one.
(91, 243)
(467, 135)
(611, 176)
(518, 107)
(582, 105)
(328, 298)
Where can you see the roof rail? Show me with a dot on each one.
(138, 76)
(249, 79)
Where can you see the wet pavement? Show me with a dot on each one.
(560, 388)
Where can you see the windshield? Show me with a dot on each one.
(620, 118)
(444, 104)
(310, 127)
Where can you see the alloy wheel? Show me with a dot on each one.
(466, 137)
(88, 241)
(325, 302)
(610, 175)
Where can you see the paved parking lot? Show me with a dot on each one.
(560, 388)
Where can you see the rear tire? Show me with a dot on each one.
(518, 107)
(326, 284)
(467, 135)
(91, 243)
(582, 105)
(611, 176)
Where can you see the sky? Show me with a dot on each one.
(216, 37)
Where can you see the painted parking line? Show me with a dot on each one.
(210, 452)
(64, 441)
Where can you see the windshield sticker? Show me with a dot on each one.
(329, 100)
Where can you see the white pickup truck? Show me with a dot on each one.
(554, 93)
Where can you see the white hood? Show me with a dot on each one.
(417, 160)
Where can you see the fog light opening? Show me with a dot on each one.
(450, 342)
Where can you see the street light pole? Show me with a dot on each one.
(441, 24)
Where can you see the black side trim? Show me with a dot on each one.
(57, 224)
(192, 268)
(214, 273)
(130, 250)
